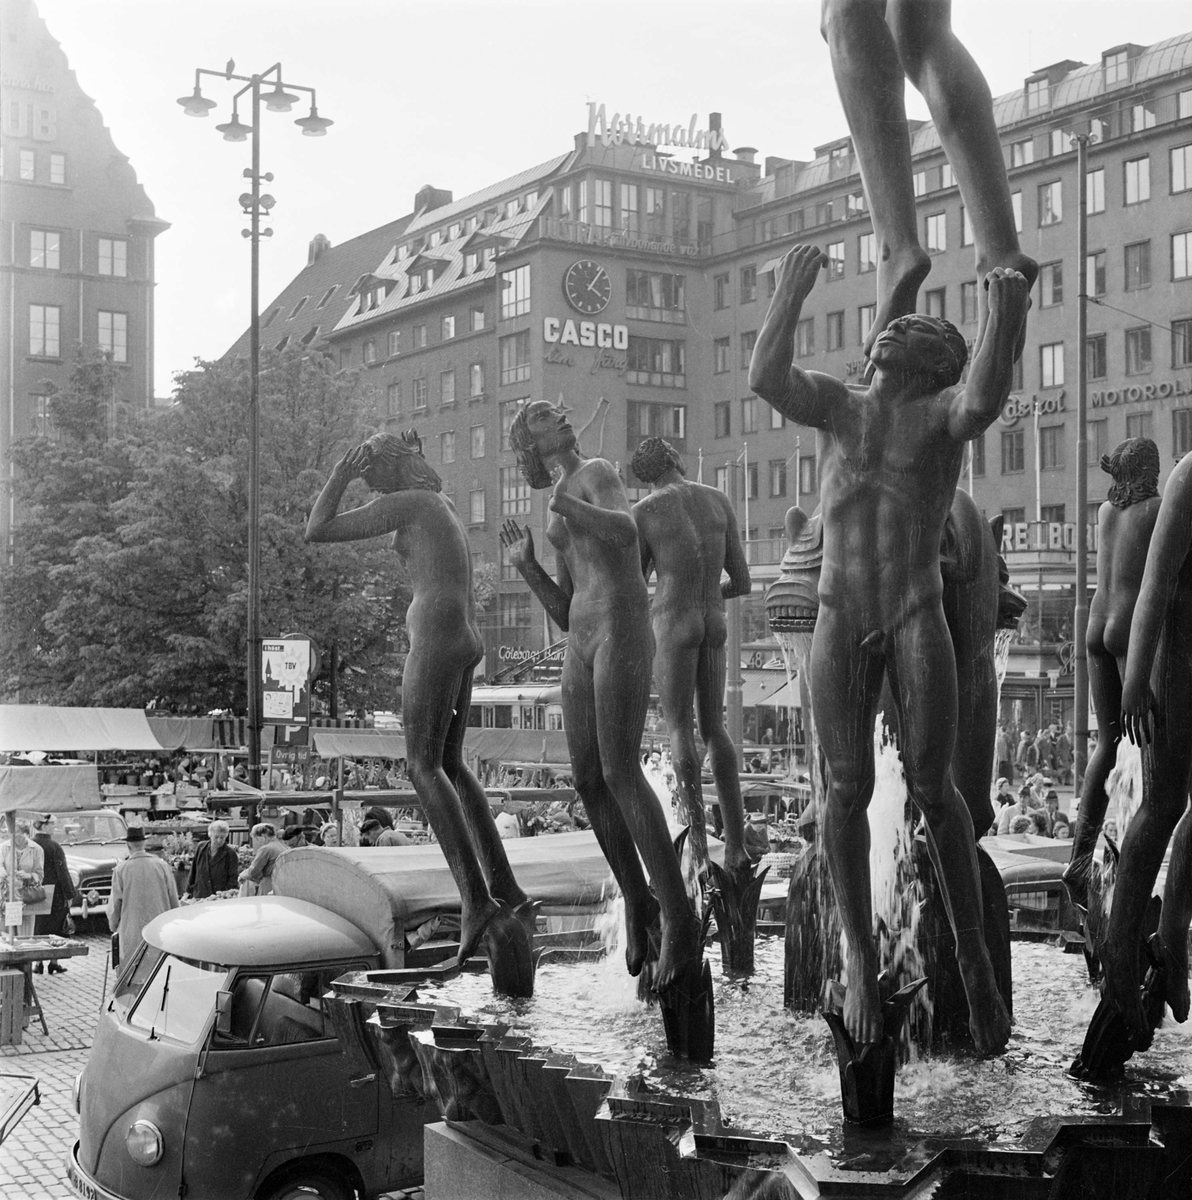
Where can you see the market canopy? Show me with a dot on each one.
(357, 743)
(51, 728)
(495, 745)
(49, 789)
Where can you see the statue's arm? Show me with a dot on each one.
(735, 563)
(599, 412)
(643, 543)
(802, 396)
(1171, 544)
(554, 597)
(607, 515)
(991, 373)
(326, 524)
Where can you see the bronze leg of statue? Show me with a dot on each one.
(1177, 916)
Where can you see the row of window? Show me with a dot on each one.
(467, 225)
(371, 348)
(45, 332)
(33, 167)
(722, 416)
(635, 208)
(45, 253)
(750, 489)
(1138, 343)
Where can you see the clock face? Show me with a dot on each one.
(587, 286)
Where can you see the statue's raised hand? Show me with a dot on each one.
(795, 275)
(354, 462)
(518, 543)
(1140, 712)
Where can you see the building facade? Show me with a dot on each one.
(631, 274)
(76, 238)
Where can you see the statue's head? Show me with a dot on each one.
(653, 456)
(1134, 466)
(944, 347)
(396, 464)
(537, 431)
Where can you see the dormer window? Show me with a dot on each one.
(1116, 67)
(436, 238)
(512, 208)
(328, 294)
(298, 308)
(472, 224)
(453, 231)
(471, 262)
(310, 335)
(1038, 93)
(269, 317)
(531, 200)
(403, 252)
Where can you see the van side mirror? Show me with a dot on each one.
(223, 1013)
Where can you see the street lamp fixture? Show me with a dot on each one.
(279, 98)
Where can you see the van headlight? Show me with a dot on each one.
(143, 1140)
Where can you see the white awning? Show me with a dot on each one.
(49, 789)
(48, 727)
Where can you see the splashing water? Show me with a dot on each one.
(1002, 640)
(1124, 789)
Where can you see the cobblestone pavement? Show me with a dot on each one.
(32, 1159)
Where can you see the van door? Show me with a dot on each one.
(275, 1086)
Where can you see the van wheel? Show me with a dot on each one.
(313, 1184)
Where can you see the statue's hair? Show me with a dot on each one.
(521, 441)
(405, 453)
(949, 374)
(652, 456)
(1134, 466)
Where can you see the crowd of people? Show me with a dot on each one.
(1022, 754)
(1035, 808)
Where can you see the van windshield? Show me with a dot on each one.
(178, 1001)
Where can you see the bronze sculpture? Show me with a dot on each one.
(891, 460)
(445, 647)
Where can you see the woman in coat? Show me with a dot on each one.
(30, 865)
(55, 873)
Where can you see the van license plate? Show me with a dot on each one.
(82, 1186)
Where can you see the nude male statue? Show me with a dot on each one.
(873, 43)
(1157, 715)
(445, 646)
(688, 533)
(1124, 526)
(891, 461)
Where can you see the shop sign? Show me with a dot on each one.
(690, 170)
(1141, 391)
(36, 84)
(1018, 407)
(23, 119)
(522, 654)
(585, 333)
(285, 681)
(1044, 535)
(597, 235)
(633, 131)
(602, 360)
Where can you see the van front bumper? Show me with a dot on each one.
(81, 1184)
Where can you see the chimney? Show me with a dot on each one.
(746, 154)
(318, 245)
(429, 198)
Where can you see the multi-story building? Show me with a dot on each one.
(76, 238)
(636, 269)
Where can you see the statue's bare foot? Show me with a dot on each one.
(638, 921)
(862, 1005)
(899, 279)
(1175, 957)
(1122, 984)
(989, 1022)
(472, 924)
(510, 953)
(679, 947)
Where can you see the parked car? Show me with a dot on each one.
(93, 842)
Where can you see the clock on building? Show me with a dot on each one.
(587, 286)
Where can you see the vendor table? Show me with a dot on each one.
(20, 954)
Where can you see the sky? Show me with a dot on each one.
(461, 94)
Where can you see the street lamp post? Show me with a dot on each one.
(254, 204)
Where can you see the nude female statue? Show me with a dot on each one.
(600, 600)
(445, 646)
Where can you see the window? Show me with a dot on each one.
(282, 343)
(977, 455)
(418, 393)
(1013, 451)
(835, 330)
(370, 351)
(1138, 266)
(476, 380)
(1013, 516)
(1181, 256)
(393, 343)
(947, 179)
(1181, 431)
(1181, 168)
(1138, 350)
(1038, 94)
(1051, 365)
(720, 291)
(1140, 425)
(447, 446)
(748, 341)
(629, 212)
(583, 204)
(722, 480)
(509, 410)
(1022, 153)
(299, 307)
(777, 420)
(27, 165)
(44, 324)
(1098, 441)
(345, 356)
(478, 441)
(1181, 342)
(934, 303)
(113, 335)
(655, 296)
(937, 233)
(58, 168)
(267, 320)
(515, 492)
(966, 227)
(1138, 180)
(1051, 284)
(805, 338)
(1016, 372)
(42, 422)
(656, 420)
(808, 481)
(471, 264)
(1184, 104)
(968, 302)
(749, 283)
(476, 512)
(447, 329)
(515, 292)
(418, 337)
(1116, 67)
(866, 253)
(1094, 273)
(919, 183)
(1016, 208)
(777, 477)
(113, 260)
(1051, 447)
(515, 357)
(835, 260)
(447, 386)
(1059, 143)
(720, 355)
(866, 315)
(515, 610)
(602, 193)
(1094, 183)
(657, 361)
(655, 210)
(1052, 513)
(749, 415)
(1142, 116)
(1051, 203)
(45, 249)
(476, 320)
(722, 414)
(393, 400)
(751, 489)
(1095, 356)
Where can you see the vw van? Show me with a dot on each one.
(216, 1074)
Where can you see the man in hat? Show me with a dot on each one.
(142, 888)
(215, 865)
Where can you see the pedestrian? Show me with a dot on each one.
(506, 822)
(1002, 751)
(1009, 814)
(30, 869)
(215, 865)
(329, 834)
(373, 833)
(56, 873)
(1003, 798)
(1020, 756)
(259, 873)
(142, 888)
(1063, 756)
